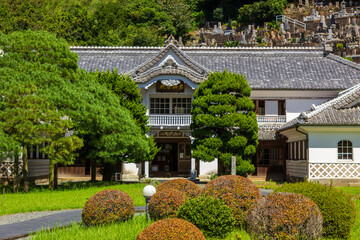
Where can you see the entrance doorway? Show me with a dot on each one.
(173, 160)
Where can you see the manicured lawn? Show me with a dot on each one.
(41, 200)
(127, 230)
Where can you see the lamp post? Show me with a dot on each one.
(148, 191)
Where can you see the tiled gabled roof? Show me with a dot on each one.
(265, 68)
(342, 110)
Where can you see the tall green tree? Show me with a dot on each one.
(261, 11)
(224, 123)
(42, 67)
(130, 98)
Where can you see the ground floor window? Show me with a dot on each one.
(345, 151)
(267, 154)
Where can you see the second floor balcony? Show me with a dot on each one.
(185, 120)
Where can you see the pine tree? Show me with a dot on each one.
(224, 122)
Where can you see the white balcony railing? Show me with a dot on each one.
(271, 119)
(185, 120)
(169, 120)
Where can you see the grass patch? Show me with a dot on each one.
(352, 191)
(41, 199)
(126, 230)
(266, 184)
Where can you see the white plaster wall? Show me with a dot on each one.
(323, 145)
(296, 106)
(131, 169)
(208, 168)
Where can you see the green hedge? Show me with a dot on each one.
(210, 215)
(337, 208)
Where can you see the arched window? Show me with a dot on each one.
(345, 151)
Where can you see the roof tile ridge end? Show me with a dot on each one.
(329, 103)
(343, 61)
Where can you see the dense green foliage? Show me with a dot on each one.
(46, 95)
(188, 187)
(237, 192)
(285, 216)
(130, 98)
(209, 214)
(166, 203)
(223, 121)
(108, 206)
(128, 23)
(338, 210)
(169, 229)
(261, 11)
(92, 22)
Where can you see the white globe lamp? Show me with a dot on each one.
(148, 192)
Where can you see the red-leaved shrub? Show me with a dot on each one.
(106, 207)
(170, 229)
(237, 192)
(285, 216)
(188, 187)
(166, 203)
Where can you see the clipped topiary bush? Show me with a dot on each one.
(184, 185)
(166, 203)
(209, 214)
(285, 216)
(106, 207)
(237, 192)
(171, 228)
(337, 208)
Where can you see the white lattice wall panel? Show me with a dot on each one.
(334, 170)
(7, 169)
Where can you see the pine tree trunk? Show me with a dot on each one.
(56, 175)
(51, 174)
(25, 170)
(16, 172)
(93, 170)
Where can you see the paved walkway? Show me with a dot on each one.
(58, 219)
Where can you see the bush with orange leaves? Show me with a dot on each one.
(171, 228)
(166, 203)
(106, 207)
(237, 192)
(285, 216)
(188, 187)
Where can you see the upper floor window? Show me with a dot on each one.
(345, 151)
(270, 107)
(159, 105)
(170, 105)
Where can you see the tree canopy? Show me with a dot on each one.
(128, 23)
(45, 95)
(224, 123)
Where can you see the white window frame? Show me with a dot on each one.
(347, 153)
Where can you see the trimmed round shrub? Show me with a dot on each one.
(184, 185)
(209, 214)
(337, 208)
(106, 207)
(166, 203)
(171, 228)
(237, 192)
(285, 216)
